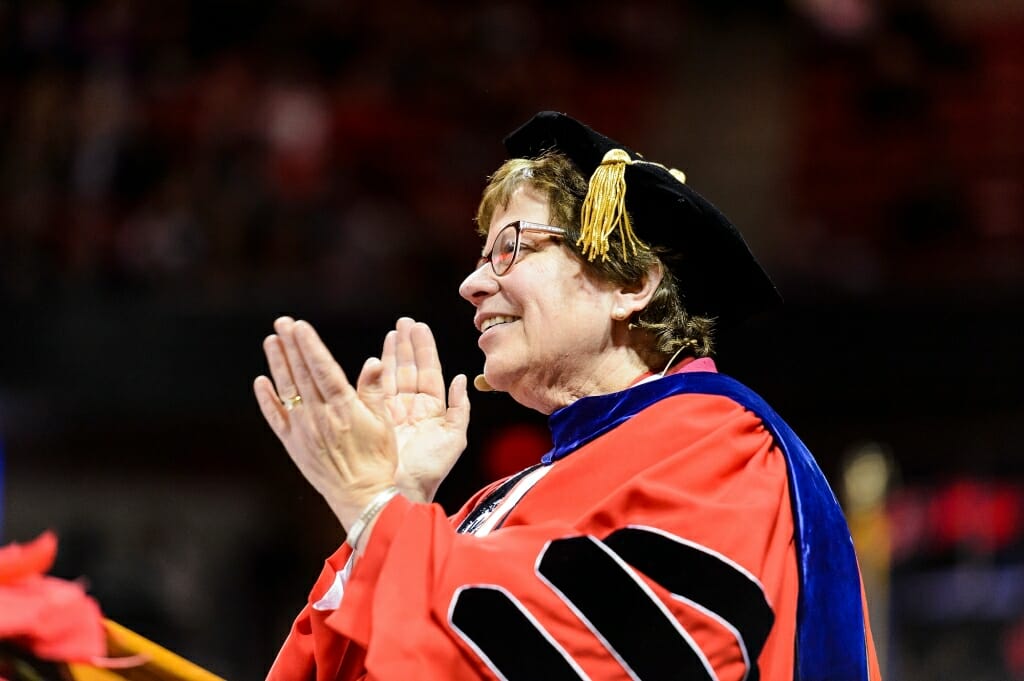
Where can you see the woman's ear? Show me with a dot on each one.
(632, 299)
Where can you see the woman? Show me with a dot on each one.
(678, 529)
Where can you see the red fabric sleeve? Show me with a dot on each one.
(314, 651)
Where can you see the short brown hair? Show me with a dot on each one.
(664, 326)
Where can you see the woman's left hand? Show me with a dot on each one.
(430, 430)
(340, 437)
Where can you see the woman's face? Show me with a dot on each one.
(546, 327)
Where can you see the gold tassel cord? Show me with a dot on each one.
(674, 172)
(604, 208)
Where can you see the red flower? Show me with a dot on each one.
(51, 618)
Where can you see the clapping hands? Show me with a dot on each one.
(394, 428)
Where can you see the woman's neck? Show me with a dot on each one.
(610, 373)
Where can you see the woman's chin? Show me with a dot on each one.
(500, 376)
(492, 381)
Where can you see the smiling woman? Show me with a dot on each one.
(677, 529)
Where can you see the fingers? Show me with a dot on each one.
(281, 372)
(457, 415)
(270, 405)
(416, 362)
(429, 377)
(405, 357)
(300, 372)
(389, 361)
(300, 363)
(370, 387)
(322, 371)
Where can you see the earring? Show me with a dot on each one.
(619, 314)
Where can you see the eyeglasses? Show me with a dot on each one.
(505, 251)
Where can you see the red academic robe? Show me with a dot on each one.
(582, 577)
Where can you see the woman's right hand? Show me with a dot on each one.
(430, 431)
(340, 437)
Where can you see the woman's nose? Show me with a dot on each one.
(481, 283)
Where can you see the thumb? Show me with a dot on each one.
(457, 415)
(370, 388)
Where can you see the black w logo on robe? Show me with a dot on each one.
(598, 581)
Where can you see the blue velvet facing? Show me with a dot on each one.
(830, 643)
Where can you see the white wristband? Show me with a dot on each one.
(369, 513)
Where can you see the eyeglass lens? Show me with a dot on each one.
(505, 249)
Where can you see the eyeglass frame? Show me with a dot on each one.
(520, 226)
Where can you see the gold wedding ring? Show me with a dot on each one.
(292, 402)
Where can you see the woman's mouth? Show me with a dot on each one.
(495, 321)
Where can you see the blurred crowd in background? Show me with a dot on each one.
(212, 148)
(173, 175)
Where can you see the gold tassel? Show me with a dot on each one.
(604, 208)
